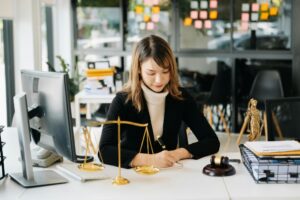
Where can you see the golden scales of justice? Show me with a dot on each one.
(119, 180)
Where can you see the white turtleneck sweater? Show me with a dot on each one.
(156, 106)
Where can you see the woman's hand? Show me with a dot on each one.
(164, 159)
(181, 153)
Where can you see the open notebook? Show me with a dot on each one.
(72, 170)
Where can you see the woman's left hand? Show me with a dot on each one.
(180, 154)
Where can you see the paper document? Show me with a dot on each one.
(273, 148)
(73, 170)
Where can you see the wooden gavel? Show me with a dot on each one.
(222, 161)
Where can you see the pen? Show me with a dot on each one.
(161, 142)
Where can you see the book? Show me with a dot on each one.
(274, 148)
(72, 170)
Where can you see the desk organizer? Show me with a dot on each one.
(271, 169)
(2, 158)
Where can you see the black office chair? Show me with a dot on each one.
(220, 95)
(266, 85)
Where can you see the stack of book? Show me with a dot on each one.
(272, 161)
(100, 81)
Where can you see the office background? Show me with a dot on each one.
(33, 32)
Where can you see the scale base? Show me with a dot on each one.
(41, 178)
(119, 180)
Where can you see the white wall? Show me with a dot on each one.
(6, 12)
(63, 31)
(3, 120)
(6, 9)
(26, 15)
(27, 46)
(27, 34)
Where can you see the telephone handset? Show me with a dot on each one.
(44, 158)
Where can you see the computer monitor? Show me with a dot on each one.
(47, 96)
(283, 118)
(43, 114)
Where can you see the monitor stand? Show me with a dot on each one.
(28, 177)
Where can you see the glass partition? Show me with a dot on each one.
(98, 25)
(204, 24)
(263, 25)
(200, 72)
(148, 17)
(246, 70)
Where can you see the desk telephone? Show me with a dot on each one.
(44, 158)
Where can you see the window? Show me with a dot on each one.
(203, 65)
(148, 17)
(205, 35)
(263, 25)
(98, 25)
(205, 69)
(248, 68)
(204, 24)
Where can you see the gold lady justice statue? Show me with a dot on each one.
(252, 115)
(119, 180)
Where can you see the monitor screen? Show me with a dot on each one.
(52, 129)
(283, 118)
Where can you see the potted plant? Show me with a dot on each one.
(74, 81)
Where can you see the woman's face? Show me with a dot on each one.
(154, 76)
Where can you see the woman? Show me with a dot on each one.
(152, 95)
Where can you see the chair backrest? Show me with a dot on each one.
(221, 88)
(266, 85)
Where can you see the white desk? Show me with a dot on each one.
(175, 183)
(242, 186)
(85, 98)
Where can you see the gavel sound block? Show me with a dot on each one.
(219, 166)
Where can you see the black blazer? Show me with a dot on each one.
(176, 112)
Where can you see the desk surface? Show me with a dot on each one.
(174, 183)
(84, 97)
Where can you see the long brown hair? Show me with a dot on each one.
(159, 50)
